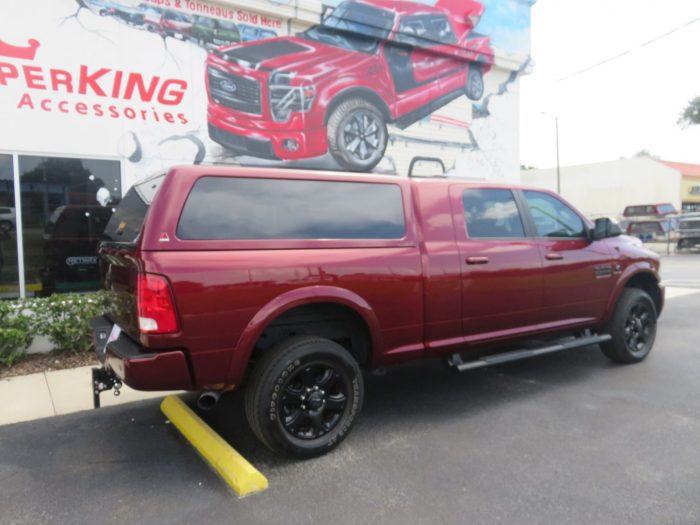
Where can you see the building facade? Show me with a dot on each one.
(690, 184)
(604, 189)
(98, 94)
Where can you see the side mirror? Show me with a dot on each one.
(605, 227)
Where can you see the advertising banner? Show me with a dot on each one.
(366, 87)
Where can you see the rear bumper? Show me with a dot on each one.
(137, 366)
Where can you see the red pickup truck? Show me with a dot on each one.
(288, 283)
(334, 87)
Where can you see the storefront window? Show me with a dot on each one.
(66, 204)
(9, 274)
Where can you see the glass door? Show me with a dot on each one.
(9, 260)
(66, 204)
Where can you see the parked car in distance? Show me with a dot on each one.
(129, 14)
(171, 23)
(249, 33)
(688, 231)
(152, 15)
(650, 210)
(214, 31)
(335, 87)
(287, 283)
(651, 230)
(8, 219)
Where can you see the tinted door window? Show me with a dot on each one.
(552, 217)
(226, 208)
(491, 213)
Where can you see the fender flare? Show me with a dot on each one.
(638, 268)
(291, 299)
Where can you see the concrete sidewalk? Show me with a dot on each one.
(34, 396)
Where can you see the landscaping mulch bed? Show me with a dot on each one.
(56, 360)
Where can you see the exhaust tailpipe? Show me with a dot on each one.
(208, 400)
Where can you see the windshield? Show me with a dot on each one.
(127, 221)
(690, 224)
(353, 26)
(225, 24)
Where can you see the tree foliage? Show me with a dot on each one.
(691, 114)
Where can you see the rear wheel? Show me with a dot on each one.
(304, 396)
(475, 83)
(632, 327)
(357, 135)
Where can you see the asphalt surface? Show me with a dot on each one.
(564, 438)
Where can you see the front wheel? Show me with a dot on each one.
(632, 327)
(475, 83)
(304, 396)
(357, 135)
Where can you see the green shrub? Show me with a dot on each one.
(15, 334)
(64, 319)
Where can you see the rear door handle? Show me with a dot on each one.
(477, 260)
(554, 256)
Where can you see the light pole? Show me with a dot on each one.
(556, 142)
(556, 131)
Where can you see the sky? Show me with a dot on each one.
(620, 108)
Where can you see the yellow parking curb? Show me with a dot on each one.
(233, 468)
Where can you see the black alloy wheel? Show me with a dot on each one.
(632, 327)
(313, 401)
(639, 327)
(303, 396)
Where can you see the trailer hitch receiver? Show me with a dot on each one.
(103, 380)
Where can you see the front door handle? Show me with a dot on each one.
(554, 256)
(477, 260)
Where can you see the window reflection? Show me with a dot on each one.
(9, 272)
(224, 208)
(66, 204)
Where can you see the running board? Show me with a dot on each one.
(455, 360)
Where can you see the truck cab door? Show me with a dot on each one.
(579, 273)
(501, 267)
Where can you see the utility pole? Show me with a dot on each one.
(556, 129)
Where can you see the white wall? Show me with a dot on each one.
(604, 189)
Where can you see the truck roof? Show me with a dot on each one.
(408, 7)
(190, 171)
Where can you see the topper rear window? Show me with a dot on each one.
(228, 208)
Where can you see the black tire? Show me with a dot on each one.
(357, 135)
(475, 83)
(292, 389)
(632, 327)
(6, 227)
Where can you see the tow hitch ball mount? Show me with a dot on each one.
(103, 380)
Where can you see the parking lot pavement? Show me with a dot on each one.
(681, 269)
(47, 394)
(565, 438)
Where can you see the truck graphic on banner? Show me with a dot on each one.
(334, 87)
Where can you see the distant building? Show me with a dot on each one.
(604, 189)
(690, 184)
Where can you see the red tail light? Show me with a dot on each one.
(156, 308)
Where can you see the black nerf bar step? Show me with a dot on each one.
(455, 360)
